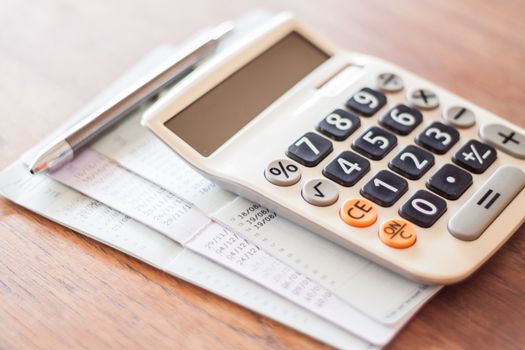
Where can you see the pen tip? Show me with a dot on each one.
(52, 157)
(35, 169)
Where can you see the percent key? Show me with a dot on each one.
(282, 172)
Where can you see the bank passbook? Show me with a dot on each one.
(352, 147)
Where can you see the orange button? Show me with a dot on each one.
(358, 212)
(397, 233)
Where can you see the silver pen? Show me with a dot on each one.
(62, 151)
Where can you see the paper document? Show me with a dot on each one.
(102, 179)
(93, 219)
(99, 177)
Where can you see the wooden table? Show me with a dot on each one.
(59, 289)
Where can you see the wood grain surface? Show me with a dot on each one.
(59, 290)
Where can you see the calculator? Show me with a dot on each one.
(353, 148)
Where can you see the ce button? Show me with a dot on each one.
(358, 212)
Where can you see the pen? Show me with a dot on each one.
(62, 150)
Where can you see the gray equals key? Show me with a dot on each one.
(487, 203)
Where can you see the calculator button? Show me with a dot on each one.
(366, 101)
(358, 212)
(310, 149)
(339, 124)
(385, 188)
(397, 233)
(487, 203)
(475, 156)
(347, 168)
(401, 119)
(375, 143)
(459, 116)
(412, 162)
(282, 172)
(450, 182)
(389, 82)
(505, 139)
(423, 98)
(423, 208)
(438, 138)
(320, 192)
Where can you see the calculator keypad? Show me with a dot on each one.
(375, 143)
(450, 182)
(347, 168)
(385, 188)
(475, 156)
(310, 149)
(339, 124)
(366, 102)
(438, 138)
(423, 208)
(412, 162)
(401, 119)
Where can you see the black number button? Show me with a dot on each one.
(450, 182)
(339, 124)
(412, 162)
(385, 188)
(310, 149)
(438, 138)
(375, 143)
(347, 169)
(475, 156)
(401, 119)
(423, 208)
(366, 101)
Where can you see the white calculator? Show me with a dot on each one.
(353, 148)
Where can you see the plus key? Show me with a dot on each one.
(504, 138)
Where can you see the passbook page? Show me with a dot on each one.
(354, 279)
(95, 220)
(380, 293)
(96, 176)
(99, 177)
(90, 217)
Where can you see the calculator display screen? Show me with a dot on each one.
(217, 115)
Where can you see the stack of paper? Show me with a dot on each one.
(131, 192)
